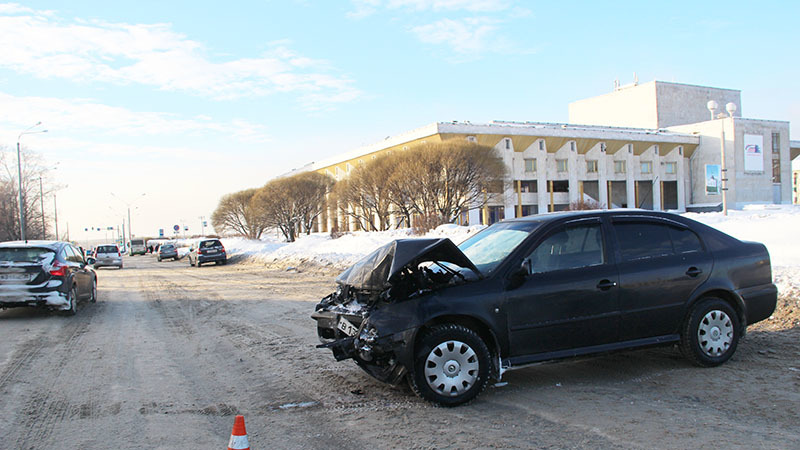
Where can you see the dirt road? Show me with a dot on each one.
(170, 353)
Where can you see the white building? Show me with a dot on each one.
(654, 145)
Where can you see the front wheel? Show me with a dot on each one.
(711, 333)
(451, 366)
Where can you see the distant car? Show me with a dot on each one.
(167, 251)
(45, 274)
(138, 247)
(448, 318)
(107, 255)
(208, 250)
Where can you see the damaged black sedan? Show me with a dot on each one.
(450, 318)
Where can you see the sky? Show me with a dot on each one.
(164, 107)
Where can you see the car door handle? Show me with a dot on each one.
(693, 272)
(604, 285)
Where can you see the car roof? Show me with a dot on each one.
(554, 216)
(53, 245)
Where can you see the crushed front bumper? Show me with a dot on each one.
(385, 357)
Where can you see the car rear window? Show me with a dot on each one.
(29, 254)
(107, 249)
(206, 244)
(167, 247)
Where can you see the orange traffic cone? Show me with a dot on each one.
(238, 435)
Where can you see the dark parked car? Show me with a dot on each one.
(449, 318)
(208, 250)
(45, 274)
(167, 251)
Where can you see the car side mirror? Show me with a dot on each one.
(90, 261)
(520, 275)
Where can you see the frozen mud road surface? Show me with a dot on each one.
(169, 354)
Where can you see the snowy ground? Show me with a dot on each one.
(774, 225)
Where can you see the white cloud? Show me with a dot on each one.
(364, 8)
(466, 36)
(45, 46)
(87, 116)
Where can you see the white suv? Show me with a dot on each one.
(107, 255)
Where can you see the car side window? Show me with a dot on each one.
(685, 240)
(641, 240)
(69, 254)
(571, 247)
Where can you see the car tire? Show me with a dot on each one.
(159, 259)
(93, 298)
(711, 333)
(197, 263)
(451, 366)
(73, 302)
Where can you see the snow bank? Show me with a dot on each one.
(776, 226)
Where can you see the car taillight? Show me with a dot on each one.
(58, 270)
(223, 250)
(199, 251)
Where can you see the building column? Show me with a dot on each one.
(681, 181)
(630, 180)
(657, 206)
(541, 179)
(506, 148)
(474, 215)
(572, 174)
(602, 178)
(340, 217)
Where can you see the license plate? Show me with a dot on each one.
(14, 277)
(346, 327)
(211, 251)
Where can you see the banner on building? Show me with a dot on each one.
(753, 153)
(713, 179)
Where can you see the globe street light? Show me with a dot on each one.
(19, 174)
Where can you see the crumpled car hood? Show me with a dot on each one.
(376, 271)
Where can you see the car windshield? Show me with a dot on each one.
(30, 255)
(490, 247)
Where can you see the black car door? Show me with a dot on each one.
(569, 300)
(661, 262)
(77, 267)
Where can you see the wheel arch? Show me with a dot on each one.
(482, 329)
(726, 295)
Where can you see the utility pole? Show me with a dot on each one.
(41, 201)
(19, 174)
(55, 214)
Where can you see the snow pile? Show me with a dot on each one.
(320, 249)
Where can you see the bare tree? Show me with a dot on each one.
(237, 214)
(35, 188)
(294, 203)
(440, 181)
(365, 195)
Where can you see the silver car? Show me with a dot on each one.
(108, 256)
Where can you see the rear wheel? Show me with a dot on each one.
(451, 366)
(711, 333)
(72, 298)
(93, 298)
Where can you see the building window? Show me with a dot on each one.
(495, 187)
(527, 186)
(572, 145)
(530, 165)
(472, 139)
(776, 157)
(349, 168)
(671, 168)
(496, 214)
(591, 166)
(508, 144)
(619, 166)
(646, 166)
(541, 145)
(560, 186)
(561, 165)
(529, 210)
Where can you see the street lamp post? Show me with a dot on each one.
(128, 204)
(19, 174)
